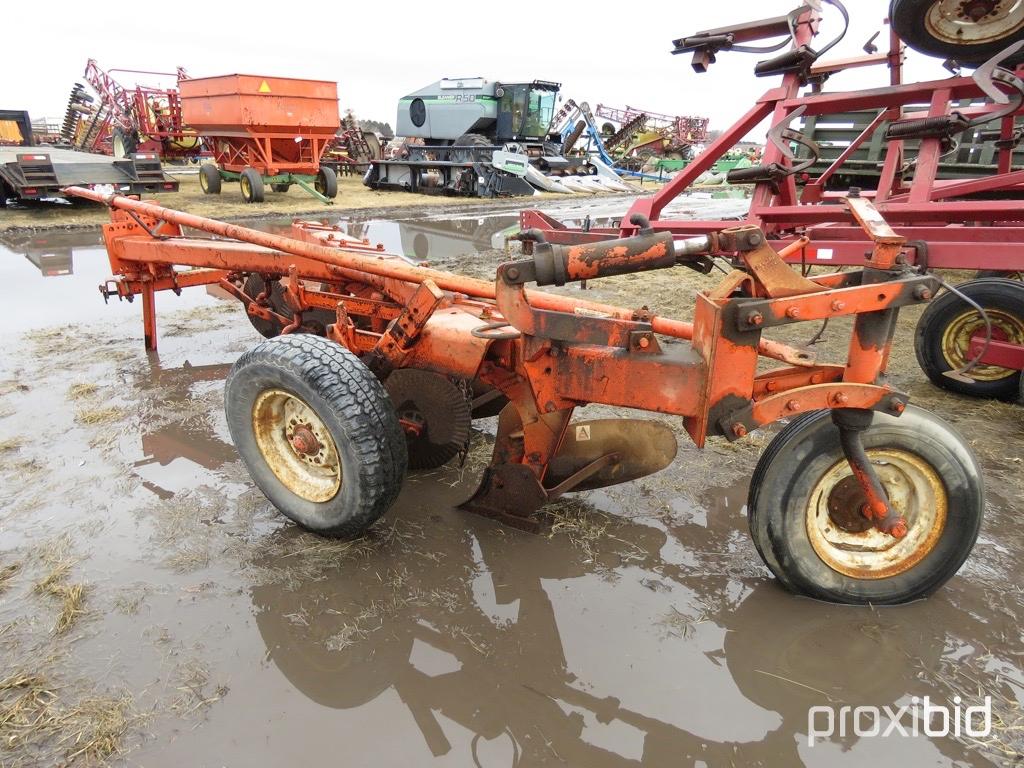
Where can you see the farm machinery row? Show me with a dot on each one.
(258, 131)
(971, 340)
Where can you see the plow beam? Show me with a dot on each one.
(341, 261)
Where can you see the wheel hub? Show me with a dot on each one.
(296, 445)
(974, 22)
(956, 341)
(844, 536)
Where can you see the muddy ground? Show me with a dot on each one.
(155, 610)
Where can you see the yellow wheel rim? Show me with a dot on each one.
(956, 340)
(246, 187)
(842, 537)
(296, 445)
(203, 185)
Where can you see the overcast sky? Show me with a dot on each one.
(613, 54)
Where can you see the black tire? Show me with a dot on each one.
(123, 143)
(915, 21)
(469, 140)
(353, 407)
(326, 182)
(1005, 300)
(981, 274)
(251, 184)
(806, 451)
(209, 179)
(282, 188)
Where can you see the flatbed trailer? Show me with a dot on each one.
(35, 173)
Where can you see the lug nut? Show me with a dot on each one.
(840, 398)
(793, 312)
(793, 405)
(838, 306)
(513, 273)
(897, 406)
(922, 293)
(755, 318)
(739, 430)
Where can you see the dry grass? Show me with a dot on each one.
(37, 727)
(193, 694)
(82, 390)
(54, 583)
(97, 416)
(7, 573)
(9, 444)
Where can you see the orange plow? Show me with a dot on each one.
(377, 365)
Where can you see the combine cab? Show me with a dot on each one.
(478, 137)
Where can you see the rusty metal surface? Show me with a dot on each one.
(549, 354)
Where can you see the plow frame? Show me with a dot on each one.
(549, 354)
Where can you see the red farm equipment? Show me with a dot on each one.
(379, 365)
(264, 130)
(970, 345)
(121, 121)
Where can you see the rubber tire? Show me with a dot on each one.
(1016, 274)
(354, 407)
(281, 188)
(800, 454)
(326, 182)
(128, 142)
(995, 293)
(255, 181)
(469, 140)
(907, 18)
(209, 179)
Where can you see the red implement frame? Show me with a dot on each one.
(946, 224)
(549, 354)
(154, 114)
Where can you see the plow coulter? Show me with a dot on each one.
(379, 365)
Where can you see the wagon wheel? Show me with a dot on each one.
(209, 179)
(969, 31)
(251, 184)
(805, 507)
(326, 182)
(943, 336)
(435, 414)
(317, 433)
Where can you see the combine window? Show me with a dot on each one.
(531, 109)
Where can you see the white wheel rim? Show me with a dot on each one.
(296, 445)
(974, 22)
(915, 491)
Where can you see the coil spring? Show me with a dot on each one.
(943, 127)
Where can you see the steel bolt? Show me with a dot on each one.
(644, 342)
(755, 318)
(922, 293)
(739, 430)
(513, 273)
(840, 398)
(838, 306)
(793, 405)
(897, 406)
(793, 312)
(899, 529)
